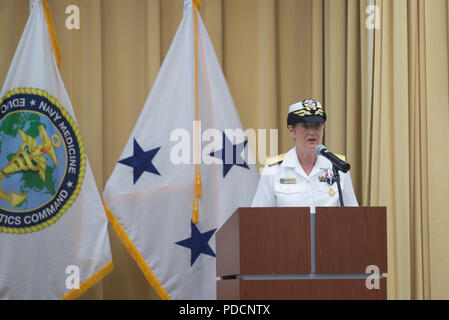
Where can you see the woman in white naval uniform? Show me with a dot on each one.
(301, 178)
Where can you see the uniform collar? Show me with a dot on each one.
(291, 161)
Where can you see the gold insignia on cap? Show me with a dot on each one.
(303, 112)
(308, 108)
(310, 105)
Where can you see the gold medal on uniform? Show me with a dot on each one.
(331, 192)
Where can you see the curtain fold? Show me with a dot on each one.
(408, 142)
(385, 92)
(437, 123)
(390, 183)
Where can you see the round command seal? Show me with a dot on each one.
(42, 161)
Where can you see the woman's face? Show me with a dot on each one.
(307, 135)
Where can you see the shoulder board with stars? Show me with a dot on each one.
(276, 160)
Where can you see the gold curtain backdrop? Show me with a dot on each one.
(385, 91)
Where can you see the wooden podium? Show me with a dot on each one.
(293, 253)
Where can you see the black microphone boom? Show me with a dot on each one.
(341, 165)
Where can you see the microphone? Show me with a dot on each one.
(336, 161)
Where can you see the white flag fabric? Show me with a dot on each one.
(151, 191)
(53, 227)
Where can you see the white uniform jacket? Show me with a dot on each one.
(287, 185)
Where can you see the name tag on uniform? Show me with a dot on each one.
(287, 180)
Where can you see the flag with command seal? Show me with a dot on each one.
(184, 170)
(53, 227)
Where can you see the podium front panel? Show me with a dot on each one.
(264, 241)
(292, 253)
(349, 239)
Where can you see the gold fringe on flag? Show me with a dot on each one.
(195, 217)
(198, 192)
(51, 29)
(198, 184)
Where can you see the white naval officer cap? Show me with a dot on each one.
(308, 110)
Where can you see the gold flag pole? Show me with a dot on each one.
(198, 191)
(51, 30)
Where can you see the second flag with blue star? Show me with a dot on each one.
(151, 194)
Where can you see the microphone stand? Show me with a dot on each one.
(337, 178)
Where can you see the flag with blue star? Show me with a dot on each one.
(165, 213)
(231, 154)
